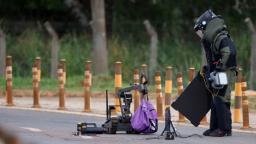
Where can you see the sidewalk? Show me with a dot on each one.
(98, 106)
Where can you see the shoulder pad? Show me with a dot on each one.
(218, 40)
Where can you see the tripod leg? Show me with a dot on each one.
(162, 133)
(174, 131)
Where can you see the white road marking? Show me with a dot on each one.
(86, 137)
(31, 129)
(55, 111)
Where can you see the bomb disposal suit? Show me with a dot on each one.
(221, 57)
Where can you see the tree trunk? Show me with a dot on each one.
(253, 53)
(153, 47)
(100, 54)
(55, 46)
(2, 52)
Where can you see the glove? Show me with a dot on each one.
(212, 80)
(219, 66)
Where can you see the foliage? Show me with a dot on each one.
(127, 39)
(76, 49)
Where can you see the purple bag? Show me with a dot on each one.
(144, 119)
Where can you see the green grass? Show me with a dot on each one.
(74, 84)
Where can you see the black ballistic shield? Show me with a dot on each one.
(195, 101)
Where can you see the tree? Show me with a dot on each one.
(153, 47)
(240, 7)
(253, 53)
(2, 52)
(55, 46)
(99, 37)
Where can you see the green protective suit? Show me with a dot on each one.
(220, 53)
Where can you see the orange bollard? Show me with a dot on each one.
(61, 86)
(63, 62)
(8, 77)
(144, 70)
(168, 86)
(136, 78)
(118, 84)
(87, 87)
(245, 103)
(191, 74)
(36, 78)
(180, 90)
(159, 97)
(238, 98)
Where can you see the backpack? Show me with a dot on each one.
(144, 119)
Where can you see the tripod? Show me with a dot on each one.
(169, 131)
(169, 134)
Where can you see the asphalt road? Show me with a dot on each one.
(38, 127)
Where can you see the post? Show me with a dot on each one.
(63, 62)
(144, 70)
(118, 84)
(159, 97)
(245, 103)
(180, 90)
(136, 78)
(61, 86)
(36, 71)
(87, 87)
(191, 75)
(238, 98)
(168, 86)
(8, 77)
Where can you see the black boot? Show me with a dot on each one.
(229, 132)
(219, 133)
(207, 132)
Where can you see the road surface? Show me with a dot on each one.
(40, 127)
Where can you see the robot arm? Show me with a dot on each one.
(142, 87)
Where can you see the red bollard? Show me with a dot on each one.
(118, 84)
(61, 86)
(159, 97)
(144, 70)
(8, 77)
(136, 78)
(36, 71)
(180, 90)
(245, 103)
(168, 86)
(238, 98)
(87, 87)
